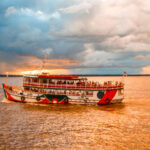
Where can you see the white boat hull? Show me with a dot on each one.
(108, 97)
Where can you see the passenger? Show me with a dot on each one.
(78, 83)
(83, 83)
(121, 83)
(116, 83)
(21, 92)
(90, 83)
(73, 93)
(93, 84)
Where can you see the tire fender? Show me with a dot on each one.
(22, 98)
(38, 98)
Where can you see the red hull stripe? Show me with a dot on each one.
(9, 97)
(4, 85)
(108, 95)
(45, 101)
(55, 100)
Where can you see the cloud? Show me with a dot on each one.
(126, 43)
(142, 57)
(83, 6)
(111, 24)
(10, 10)
(95, 34)
(95, 58)
(146, 70)
(27, 63)
(103, 18)
(46, 52)
(29, 12)
(39, 14)
(50, 71)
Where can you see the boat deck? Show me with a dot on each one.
(72, 87)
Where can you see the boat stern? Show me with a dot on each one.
(112, 96)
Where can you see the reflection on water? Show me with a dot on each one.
(72, 109)
(123, 126)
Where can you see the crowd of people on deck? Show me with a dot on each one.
(78, 83)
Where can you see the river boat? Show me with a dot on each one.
(64, 89)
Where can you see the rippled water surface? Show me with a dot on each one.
(124, 126)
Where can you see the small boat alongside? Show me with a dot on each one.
(64, 89)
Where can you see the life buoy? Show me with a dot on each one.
(100, 94)
(65, 100)
(22, 98)
(38, 98)
(107, 101)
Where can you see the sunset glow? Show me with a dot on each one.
(146, 70)
(53, 71)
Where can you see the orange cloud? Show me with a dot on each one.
(50, 71)
(30, 63)
(146, 70)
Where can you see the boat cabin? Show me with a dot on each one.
(53, 80)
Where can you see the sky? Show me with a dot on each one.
(76, 36)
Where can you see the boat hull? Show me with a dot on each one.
(100, 97)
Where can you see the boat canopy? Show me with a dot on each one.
(58, 77)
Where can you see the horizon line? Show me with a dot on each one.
(12, 75)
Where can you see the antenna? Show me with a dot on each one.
(6, 77)
(124, 75)
(44, 62)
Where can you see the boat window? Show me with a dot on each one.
(27, 88)
(89, 92)
(27, 80)
(44, 81)
(49, 80)
(35, 80)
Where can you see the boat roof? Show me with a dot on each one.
(58, 76)
(61, 77)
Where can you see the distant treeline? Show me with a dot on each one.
(4, 75)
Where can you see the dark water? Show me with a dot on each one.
(124, 126)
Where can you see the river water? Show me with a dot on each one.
(124, 126)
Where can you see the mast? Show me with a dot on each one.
(44, 61)
(6, 77)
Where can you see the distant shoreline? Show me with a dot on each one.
(4, 75)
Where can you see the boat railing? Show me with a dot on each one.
(75, 85)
